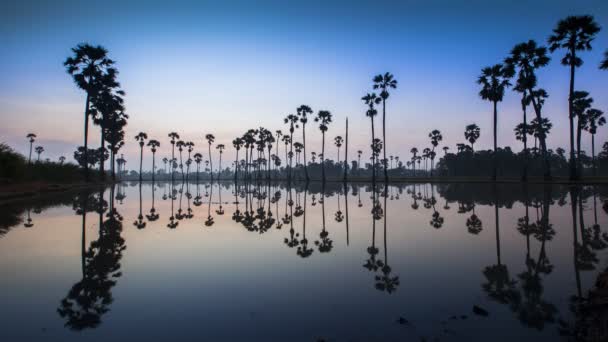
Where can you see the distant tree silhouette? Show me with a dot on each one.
(384, 82)
(472, 133)
(581, 103)
(180, 144)
(414, 152)
(594, 119)
(359, 152)
(574, 33)
(141, 138)
(174, 137)
(493, 81)
(153, 144)
(32, 138)
(238, 144)
(324, 118)
(61, 160)
(292, 121)
(338, 142)
(39, 150)
(197, 159)
(436, 137)
(303, 111)
(220, 148)
(90, 68)
(371, 99)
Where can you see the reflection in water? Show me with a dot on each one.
(521, 279)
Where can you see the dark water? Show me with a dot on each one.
(264, 262)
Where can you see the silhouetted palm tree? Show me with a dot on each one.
(580, 104)
(174, 137)
(371, 100)
(31, 137)
(39, 150)
(595, 118)
(472, 133)
(237, 143)
(180, 144)
(414, 152)
(302, 113)
(154, 144)
(359, 152)
(197, 159)
(165, 161)
(210, 139)
(190, 147)
(90, 68)
(61, 160)
(436, 137)
(292, 120)
(384, 82)
(324, 119)
(141, 137)
(338, 142)
(575, 33)
(494, 80)
(220, 148)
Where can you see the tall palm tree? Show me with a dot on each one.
(338, 142)
(371, 100)
(180, 144)
(153, 144)
(220, 148)
(292, 120)
(31, 137)
(210, 139)
(302, 113)
(494, 80)
(324, 119)
(90, 67)
(527, 57)
(436, 137)
(595, 118)
(237, 143)
(197, 159)
(174, 137)
(472, 133)
(190, 147)
(39, 150)
(384, 82)
(141, 137)
(575, 33)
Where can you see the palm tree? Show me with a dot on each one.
(210, 139)
(574, 33)
(153, 144)
(165, 160)
(414, 152)
(324, 119)
(292, 120)
(527, 57)
(39, 150)
(61, 160)
(220, 147)
(302, 113)
(197, 159)
(180, 148)
(237, 143)
(141, 137)
(174, 137)
(190, 146)
(90, 67)
(580, 104)
(384, 82)
(472, 133)
(371, 100)
(445, 150)
(338, 142)
(595, 118)
(359, 152)
(494, 80)
(436, 137)
(31, 137)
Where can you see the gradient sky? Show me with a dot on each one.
(222, 67)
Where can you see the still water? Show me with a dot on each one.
(271, 262)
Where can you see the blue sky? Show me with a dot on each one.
(222, 67)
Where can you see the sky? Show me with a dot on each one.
(222, 67)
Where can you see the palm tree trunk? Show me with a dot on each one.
(384, 137)
(153, 167)
(141, 160)
(579, 164)
(210, 162)
(29, 159)
(346, 157)
(86, 139)
(236, 166)
(495, 140)
(219, 172)
(524, 176)
(323, 152)
(102, 159)
(573, 171)
(373, 157)
(304, 149)
(593, 154)
(171, 165)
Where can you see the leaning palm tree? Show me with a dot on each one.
(371, 100)
(220, 148)
(174, 137)
(210, 139)
(302, 113)
(595, 118)
(141, 137)
(39, 150)
(153, 144)
(90, 67)
(31, 137)
(575, 33)
(494, 80)
(472, 133)
(436, 137)
(384, 82)
(324, 119)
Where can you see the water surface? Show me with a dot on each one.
(272, 262)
